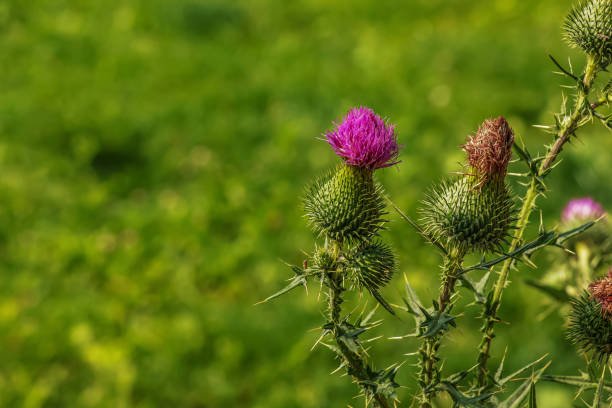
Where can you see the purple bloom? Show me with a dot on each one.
(363, 139)
(582, 208)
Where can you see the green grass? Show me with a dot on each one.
(152, 158)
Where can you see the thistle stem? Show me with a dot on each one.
(568, 126)
(357, 367)
(430, 372)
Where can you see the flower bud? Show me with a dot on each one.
(589, 26)
(323, 260)
(490, 150)
(345, 205)
(590, 326)
(370, 265)
(364, 140)
(469, 215)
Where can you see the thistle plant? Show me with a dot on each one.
(471, 212)
(588, 27)
(346, 208)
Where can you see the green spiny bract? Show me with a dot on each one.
(345, 205)
(370, 265)
(589, 328)
(589, 26)
(469, 215)
(323, 260)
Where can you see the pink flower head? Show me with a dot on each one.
(582, 209)
(601, 291)
(363, 139)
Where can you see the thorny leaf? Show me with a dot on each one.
(599, 392)
(532, 396)
(460, 399)
(376, 294)
(478, 288)
(550, 238)
(436, 322)
(583, 382)
(517, 397)
(512, 376)
(298, 280)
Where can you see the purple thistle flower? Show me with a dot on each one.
(363, 139)
(582, 208)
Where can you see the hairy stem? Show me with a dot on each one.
(569, 124)
(357, 367)
(430, 372)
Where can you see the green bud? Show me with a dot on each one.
(589, 26)
(469, 215)
(345, 205)
(589, 327)
(370, 265)
(323, 259)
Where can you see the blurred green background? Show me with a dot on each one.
(152, 157)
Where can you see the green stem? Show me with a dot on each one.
(567, 128)
(356, 365)
(430, 372)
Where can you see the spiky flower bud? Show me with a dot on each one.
(323, 260)
(345, 205)
(370, 265)
(589, 26)
(469, 215)
(590, 326)
(490, 150)
(363, 139)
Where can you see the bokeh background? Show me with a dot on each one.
(152, 158)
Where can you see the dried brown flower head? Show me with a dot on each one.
(489, 151)
(601, 291)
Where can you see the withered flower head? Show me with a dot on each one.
(489, 151)
(601, 291)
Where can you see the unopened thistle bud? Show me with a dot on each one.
(490, 150)
(589, 27)
(323, 260)
(370, 265)
(346, 205)
(590, 326)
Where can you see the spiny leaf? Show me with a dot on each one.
(583, 382)
(413, 303)
(461, 399)
(478, 288)
(517, 397)
(298, 280)
(544, 239)
(599, 392)
(507, 378)
(532, 396)
(436, 323)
